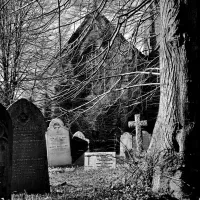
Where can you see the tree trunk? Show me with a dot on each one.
(175, 141)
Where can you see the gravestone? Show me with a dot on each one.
(138, 134)
(96, 160)
(78, 148)
(117, 132)
(80, 135)
(146, 138)
(58, 144)
(5, 153)
(126, 143)
(79, 160)
(111, 141)
(30, 167)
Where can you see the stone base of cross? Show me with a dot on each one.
(138, 124)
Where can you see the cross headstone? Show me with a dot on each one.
(5, 153)
(126, 143)
(58, 144)
(137, 123)
(30, 167)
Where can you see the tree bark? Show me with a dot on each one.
(175, 141)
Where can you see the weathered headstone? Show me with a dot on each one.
(146, 138)
(137, 123)
(58, 144)
(96, 160)
(79, 134)
(30, 167)
(6, 135)
(126, 143)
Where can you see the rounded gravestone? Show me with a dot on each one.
(79, 145)
(79, 134)
(58, 144)
(30, 167)
(126, 143)
(5, 153)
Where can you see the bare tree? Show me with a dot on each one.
(104, 72)
(110, 65)
(177, 126)
(174, 147)
(27, 44)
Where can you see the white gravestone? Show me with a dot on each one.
(126, 143)
(58, 144)
(96, 160)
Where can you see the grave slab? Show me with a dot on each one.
(96, 160)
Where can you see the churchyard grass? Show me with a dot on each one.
(75, 183)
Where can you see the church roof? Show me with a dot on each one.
(95, 31)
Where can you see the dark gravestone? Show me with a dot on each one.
(115, 135)
(30, 166)
(111, 141)
(78, 148)
(5, 153)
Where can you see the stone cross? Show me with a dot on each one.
(137, 123)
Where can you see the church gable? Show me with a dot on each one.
(96, 71)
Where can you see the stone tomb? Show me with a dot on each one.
(30, 167)
(96, 160)
(5, 153)
(126, 143)
(58, 144)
